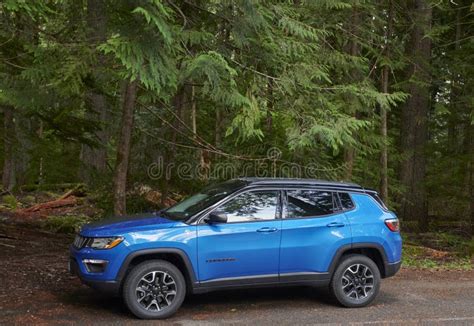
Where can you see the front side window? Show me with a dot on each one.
(205, 198)
(251, 206)
(309, 203)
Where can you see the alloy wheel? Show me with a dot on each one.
(156, 291)
(358, 282)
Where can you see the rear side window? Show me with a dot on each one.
(309, 203)
(375, 196)
(346, 200)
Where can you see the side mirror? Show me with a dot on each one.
(216, 217)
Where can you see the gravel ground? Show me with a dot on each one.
(35, 288)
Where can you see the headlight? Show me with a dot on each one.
(104, 243)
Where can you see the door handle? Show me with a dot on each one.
(267, 230)
(335, 225)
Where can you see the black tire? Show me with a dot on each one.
(135, 280)
(348, 288)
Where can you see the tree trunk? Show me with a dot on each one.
(353, 50)
(470, 172)
(123, 148)
(169, 157)
(453, 118)
(193, 111)
(270, 107)
(217, 128)
(414, 130)
(41, 160)
(8, 176)
(203, 162)
(383, 112)
(383, 133)
(95, 158)
(177, 103)
(23, 125)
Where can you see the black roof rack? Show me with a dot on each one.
(297, 181)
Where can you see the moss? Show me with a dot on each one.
(29, 200)
(64, 224)
(423, 257)
(10, 201)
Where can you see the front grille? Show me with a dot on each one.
(80, 241)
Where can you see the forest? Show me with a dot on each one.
(130, 97)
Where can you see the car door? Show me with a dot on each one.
(313, 228)
(246, 248)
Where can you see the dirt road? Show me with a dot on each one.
(35, 288)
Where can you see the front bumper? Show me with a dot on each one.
(108, 287)
(103, 280)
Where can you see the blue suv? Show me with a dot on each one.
(244, 233)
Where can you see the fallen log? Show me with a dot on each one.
(67, 199)
(57, 203)
(67, 194)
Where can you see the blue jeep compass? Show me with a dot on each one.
(244, 233)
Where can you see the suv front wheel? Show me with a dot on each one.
(356, 281)
(154, 289)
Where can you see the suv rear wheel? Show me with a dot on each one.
(154, 289)
(356, 281)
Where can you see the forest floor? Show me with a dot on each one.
(36, 288)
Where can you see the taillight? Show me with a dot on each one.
(393, 224)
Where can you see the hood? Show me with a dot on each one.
(125, 224)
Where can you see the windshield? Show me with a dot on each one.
(205, 198)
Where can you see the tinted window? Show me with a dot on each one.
(307, 203)
(377, 198)
(207, 197)
(251, 206)
(346, 200)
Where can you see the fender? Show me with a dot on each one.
(360, 245)
(143, 252)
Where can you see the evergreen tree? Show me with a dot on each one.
(378, 93)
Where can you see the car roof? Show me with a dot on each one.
(301, 182)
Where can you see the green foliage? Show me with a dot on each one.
(247, 122)
(157, 16)
(102, 199)
(64, 224)
(415, 256)
(304, 77)
(137, 204)
(146, 50)
(29, 200)
(218, 78)
(10, 201)
(471, 249)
